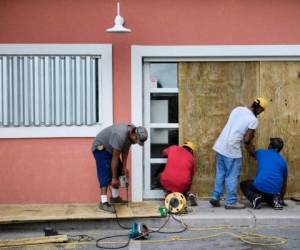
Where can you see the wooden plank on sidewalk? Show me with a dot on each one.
(34, 241)
(124, 211)
(55, 212)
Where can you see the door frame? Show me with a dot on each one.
(188, 53)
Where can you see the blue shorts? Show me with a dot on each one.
(103, 162)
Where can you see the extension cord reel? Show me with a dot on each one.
(175, 202)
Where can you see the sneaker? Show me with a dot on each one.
(256, 203)
(106, 207)
(235, 206)
(192, 200)
(282, 203)
(277, 205)
(215, 203)
(117, 200)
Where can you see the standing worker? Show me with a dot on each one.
(110, 149)
(240, 127)
(179, 171)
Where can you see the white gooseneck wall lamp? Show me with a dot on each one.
(119, 21)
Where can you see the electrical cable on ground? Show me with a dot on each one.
(114, 236)
(119, 223)
(50, 231)
(80, 237)
(140, 236)
(185, 227)
(249, 238)
(109, 237)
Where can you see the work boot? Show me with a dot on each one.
(192, 200)
(256, 203)
(106, 207)
(235, 206)
(118, 200)
(214, 202)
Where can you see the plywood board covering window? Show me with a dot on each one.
(208, 91)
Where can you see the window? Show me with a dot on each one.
(54, 90)
(161, 119)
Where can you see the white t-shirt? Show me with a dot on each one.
(229, 141)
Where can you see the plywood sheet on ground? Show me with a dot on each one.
(55, 212)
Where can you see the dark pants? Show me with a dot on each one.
(251, 193)
(103, 163)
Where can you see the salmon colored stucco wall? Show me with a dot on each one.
(62, 170)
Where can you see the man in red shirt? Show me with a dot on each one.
(179, 171)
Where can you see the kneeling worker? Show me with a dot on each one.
(179, 171)
(270, 182)
(111, 144)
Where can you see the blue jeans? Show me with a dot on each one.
(228, 172)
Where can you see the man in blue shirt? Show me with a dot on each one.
(270, 182)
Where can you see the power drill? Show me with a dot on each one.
(124, 184)
(123, 181)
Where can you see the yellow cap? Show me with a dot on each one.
(262, 102)
(190, 145)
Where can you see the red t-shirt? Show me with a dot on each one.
(179, 171)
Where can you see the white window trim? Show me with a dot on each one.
(106, 104)
(189, 53)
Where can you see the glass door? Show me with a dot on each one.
(161, 120)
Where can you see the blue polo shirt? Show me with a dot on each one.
(271, 169)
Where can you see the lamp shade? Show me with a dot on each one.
(119, 23)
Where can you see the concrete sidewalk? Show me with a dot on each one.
(206, 215)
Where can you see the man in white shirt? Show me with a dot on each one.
(240, 126)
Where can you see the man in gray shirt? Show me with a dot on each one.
(110, 149)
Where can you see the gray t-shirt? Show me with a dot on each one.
(115, 136)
